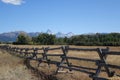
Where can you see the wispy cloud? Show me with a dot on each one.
(14, 2)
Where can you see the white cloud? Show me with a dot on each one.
(14, 2)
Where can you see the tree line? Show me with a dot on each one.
(98, 39)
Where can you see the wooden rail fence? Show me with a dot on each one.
(32, 54)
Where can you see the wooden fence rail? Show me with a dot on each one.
(103, 53)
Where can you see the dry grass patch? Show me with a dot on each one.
(74, 75)
(12, 68)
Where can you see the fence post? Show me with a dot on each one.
(64, 58)
(102, 63)
(35, 51)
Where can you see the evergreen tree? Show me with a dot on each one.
(23, 39)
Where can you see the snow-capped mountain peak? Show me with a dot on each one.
(49, 31)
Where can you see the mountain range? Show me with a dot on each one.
(12, 36)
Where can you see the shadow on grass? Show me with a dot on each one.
(40, 74)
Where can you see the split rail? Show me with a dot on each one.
(64, 62)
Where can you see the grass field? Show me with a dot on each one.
(12, 68)
(15, 65)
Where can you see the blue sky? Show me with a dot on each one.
(77, 16)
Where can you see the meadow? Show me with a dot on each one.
(68, 75)
(12, 68)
